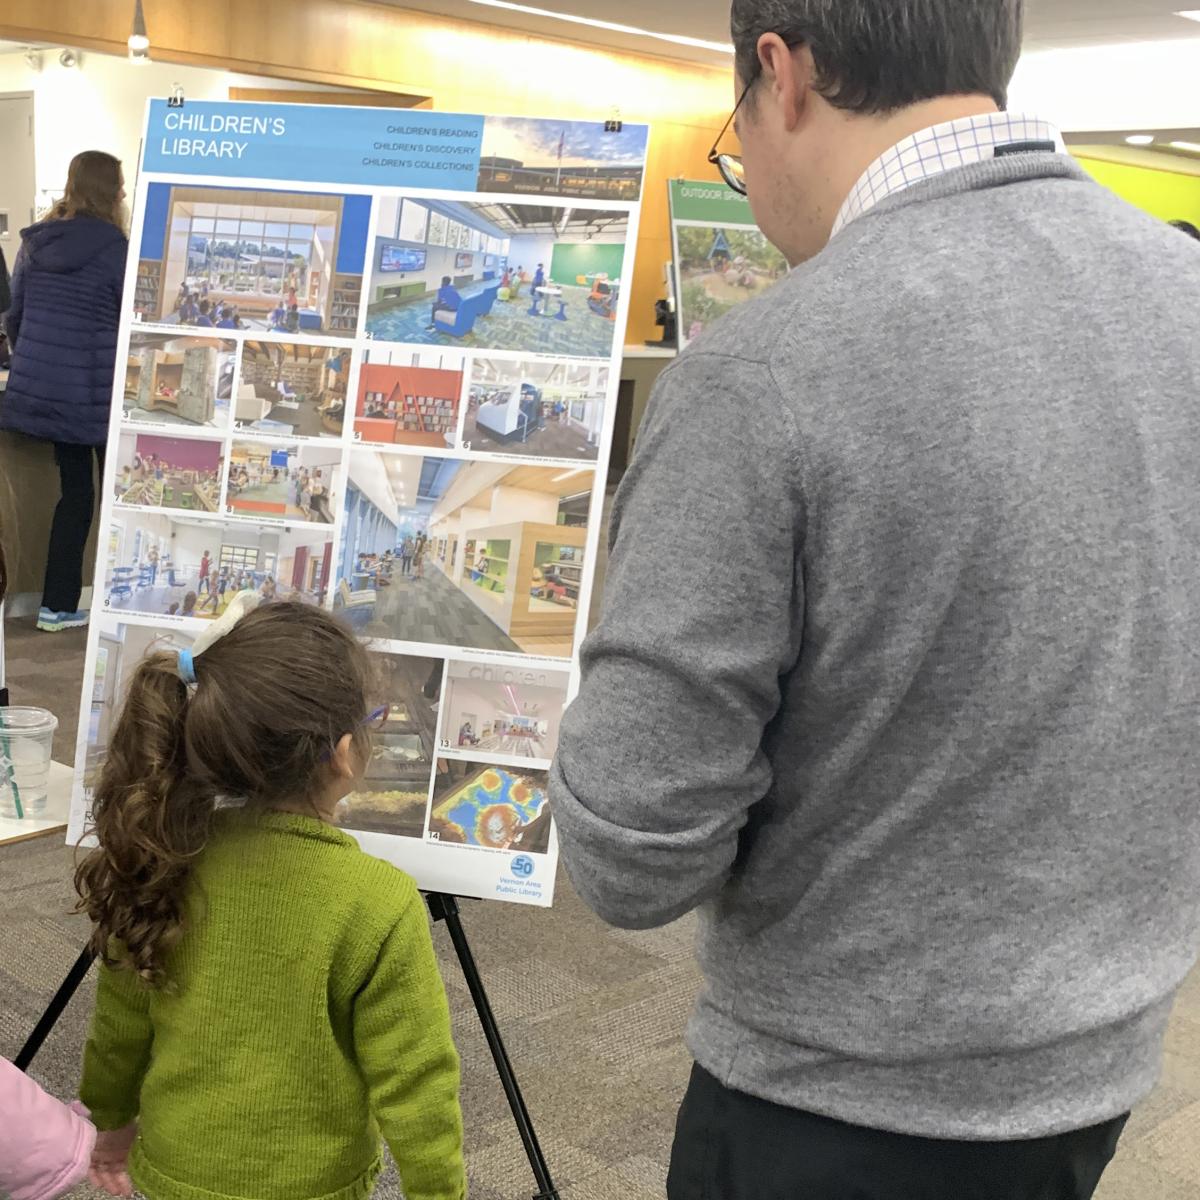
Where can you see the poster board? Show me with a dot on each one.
(722, 259)
(369, 360)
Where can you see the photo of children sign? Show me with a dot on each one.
(368, 361)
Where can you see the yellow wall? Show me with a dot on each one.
(1164, 194)
(463, 66)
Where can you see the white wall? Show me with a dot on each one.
(519, 504)
(527, 252)
(100, 104)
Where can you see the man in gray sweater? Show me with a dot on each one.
(898, 678)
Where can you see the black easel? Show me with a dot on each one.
(445, 908)
(441, 908)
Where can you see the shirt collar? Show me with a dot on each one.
(938, 149)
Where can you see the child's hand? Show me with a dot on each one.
(109, 1160)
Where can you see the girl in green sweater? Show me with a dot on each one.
(269, 1003)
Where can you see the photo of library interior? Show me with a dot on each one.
(503, 710)
(536, 408)
(245, 258)
(189, 567)
(293, 388)
(172, 380)
(520, 277)
(393, 795)
(498, 808)
(295, 482)
(409, 397)
(482, 555)
(169, 472)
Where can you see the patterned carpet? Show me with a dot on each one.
(509, 326)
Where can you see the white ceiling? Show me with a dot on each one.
(1050, 23)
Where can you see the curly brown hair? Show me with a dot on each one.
(273, 698)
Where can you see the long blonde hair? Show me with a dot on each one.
(93, 189)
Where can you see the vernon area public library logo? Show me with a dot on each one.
(522, 866)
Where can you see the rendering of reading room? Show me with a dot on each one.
(240, 258)
(515, 276)
(294, 388)
(443, 552)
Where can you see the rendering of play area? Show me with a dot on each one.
(521, 277)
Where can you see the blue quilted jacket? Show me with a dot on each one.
(62, 326)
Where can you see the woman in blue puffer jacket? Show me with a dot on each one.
(62, 325)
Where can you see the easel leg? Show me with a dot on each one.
(54, 1009)
(445, 908)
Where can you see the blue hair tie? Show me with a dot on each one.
(187, 667)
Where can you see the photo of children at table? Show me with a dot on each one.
(165, 472)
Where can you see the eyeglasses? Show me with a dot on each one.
(730, 165)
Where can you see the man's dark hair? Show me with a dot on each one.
(877, 56)
(1188, 228)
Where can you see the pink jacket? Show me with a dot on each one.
(45, 1145)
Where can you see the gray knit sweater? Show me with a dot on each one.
(899, 671)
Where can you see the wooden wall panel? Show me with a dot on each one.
(463, 66)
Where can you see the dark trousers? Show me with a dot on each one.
(729, 1146)
(72, 524)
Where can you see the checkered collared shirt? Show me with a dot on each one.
(937, 149)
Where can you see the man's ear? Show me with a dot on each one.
(789, 74)
(341, 761)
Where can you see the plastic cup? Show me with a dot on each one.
(26, 739)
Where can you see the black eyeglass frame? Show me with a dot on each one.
(725, 163)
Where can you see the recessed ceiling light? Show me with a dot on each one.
(612, 27)
(1190, 147)
(1141, 139)
(1192, 14)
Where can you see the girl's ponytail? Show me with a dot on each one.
(151, 822)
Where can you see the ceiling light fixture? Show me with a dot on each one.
(1140, 139)
(678, 39)
(139, 41)
(568, 475)
(1190, 14)
(1189, 147)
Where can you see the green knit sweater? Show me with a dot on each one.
(306, 1018)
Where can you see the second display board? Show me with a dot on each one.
(373, 366)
